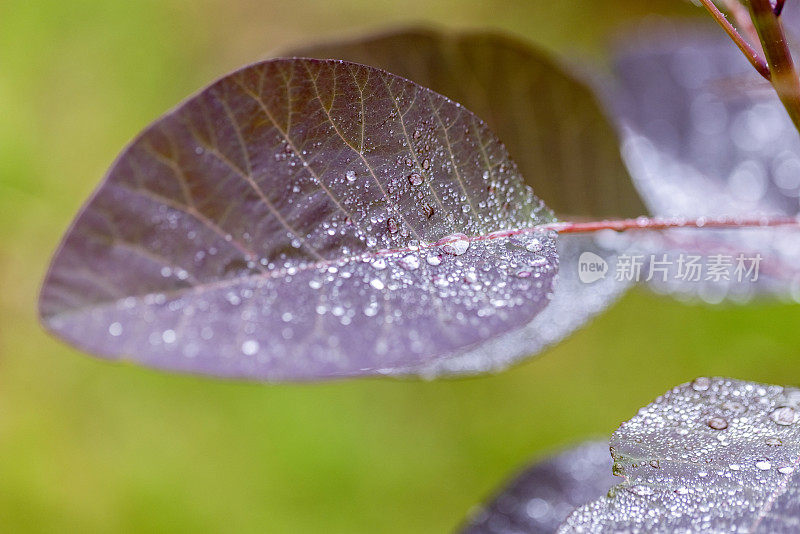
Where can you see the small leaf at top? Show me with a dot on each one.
(714, 455)
(303, 219)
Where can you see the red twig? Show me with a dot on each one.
(750, 53)
(779, 59)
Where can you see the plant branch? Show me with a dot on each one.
(750, 53)
(779, 59)
(658, 223)
(741, 16)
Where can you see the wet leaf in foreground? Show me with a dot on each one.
(714, 455)
(283, 224)
(556, 132)
(543, 495)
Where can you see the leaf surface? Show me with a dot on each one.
(714, 455)
(537, 500)
(556, 132)
(283, 224)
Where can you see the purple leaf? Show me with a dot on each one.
(303, 219)
(551, 122)
(539, 499)
(562, 142)
(705, 135)
(714, 455)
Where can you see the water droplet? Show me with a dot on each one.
(764, 465)
(717, 423)
(427, 209)
(456, 244)
(681, 490)
(655, 464)
(410, 262)
(378, 264)
(640, 489)
(415, 179)
(426, 164)
(774, 442)
(734, 467)
(701, 384)
(786, 470)
(392, 225)
(377, 284)
(350, 175)
(535, 245)
(434, 259)
(250, 347)
(168, 336)
(783, 415)
(115, 329)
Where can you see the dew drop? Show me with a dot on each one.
(535, 245)
(392, 225)
(640, 490)
(786, 470)
(115, 329)
(371, 309)
(410, 262)
(434, 259)
(701, 384)
(168, 336)
(456, 244)
(377, 284)
(250, 347)
(783, 415)
(717, 423)
(774, 442)
(764, 465)
(415, 179)
(351, 176)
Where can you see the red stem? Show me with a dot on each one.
(750, 53)
(621, 225)
(657, 223)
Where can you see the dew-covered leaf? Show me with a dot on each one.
(551, 122)
(562, 142)
(283, 224)
(714, 455)
(704, 135)
(539, 499)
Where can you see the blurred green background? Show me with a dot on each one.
(90, 446)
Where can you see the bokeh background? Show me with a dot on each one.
(90, 446)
